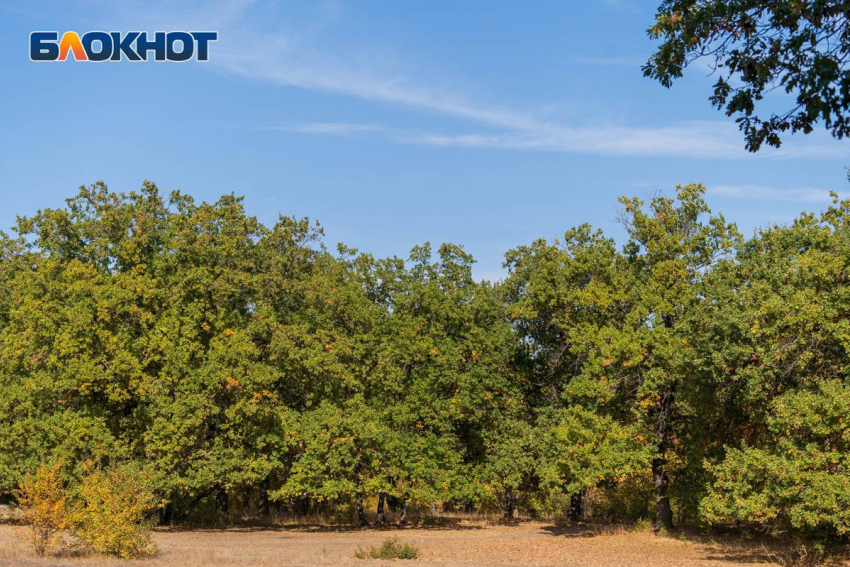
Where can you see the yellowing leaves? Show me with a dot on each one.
(42, 499)
(260, 396)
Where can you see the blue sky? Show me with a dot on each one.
(489, 124)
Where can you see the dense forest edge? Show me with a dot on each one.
(690, 376)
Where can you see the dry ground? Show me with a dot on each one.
(468, 544)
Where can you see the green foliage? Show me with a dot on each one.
(608, 335)
(780, 316)
(799, 47)
(246, 367)
(392, 548)
(581, 449)
(800, 478)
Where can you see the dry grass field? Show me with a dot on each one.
(469, 544)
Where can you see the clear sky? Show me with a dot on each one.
(489, 124)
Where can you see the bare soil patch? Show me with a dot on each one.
(468, 544)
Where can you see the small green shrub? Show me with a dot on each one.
(392, 548)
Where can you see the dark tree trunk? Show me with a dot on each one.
(663, 512)
(393, 503)
(166, 514)
(380, 519)
(361, 513)
(302, 505)
(510, 504)
(183, 512)
(574, 513)
(222, 501)
(661, 482)
(265, 507)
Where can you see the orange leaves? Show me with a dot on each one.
(42, 498)
(231, 383)
(260, 396)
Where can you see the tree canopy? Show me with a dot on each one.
(686, 375)
(799, 48)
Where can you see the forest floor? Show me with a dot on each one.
(468, 544)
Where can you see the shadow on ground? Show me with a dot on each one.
(452, 524)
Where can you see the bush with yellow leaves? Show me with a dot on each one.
(112, 513)
(42, 498)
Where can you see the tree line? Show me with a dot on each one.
(689, 375)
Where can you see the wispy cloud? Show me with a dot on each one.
(260, 42)
(317, 73)
(695, 140)
(764, 193)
